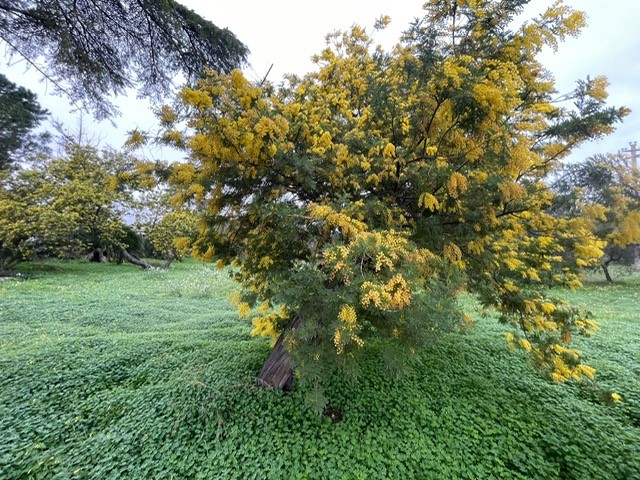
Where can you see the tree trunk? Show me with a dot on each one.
(277, 371)
(605, 269)
(133, 259)
(98, 255)
(169, 261)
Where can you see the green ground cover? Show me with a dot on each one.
(111, 372)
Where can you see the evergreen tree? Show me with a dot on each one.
(93, 48)
(20, 114)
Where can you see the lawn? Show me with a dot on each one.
(112, 372)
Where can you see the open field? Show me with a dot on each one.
(111, 372)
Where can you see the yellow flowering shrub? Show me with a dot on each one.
(368, 193)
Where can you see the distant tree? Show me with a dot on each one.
(169, 230)
(20, 114)
(359, 200)
(86, 190)
(605, 189)
(19, 213)
(67, 205)
(174, 235)
(93, 48)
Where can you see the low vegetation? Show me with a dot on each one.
(112, 372)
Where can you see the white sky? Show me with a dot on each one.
(286, 33)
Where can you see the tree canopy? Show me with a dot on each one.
(93, 48)
(20, 114)
(357, 201)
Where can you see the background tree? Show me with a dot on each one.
(173, 236)
(93, 48)
(19, 213)
(20, 114)
(605, 189)
(166, 232)
(68, 205)
(358, 200)
(83, 191)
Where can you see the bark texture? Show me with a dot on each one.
(277, 371)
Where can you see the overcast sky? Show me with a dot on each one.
(286, 33)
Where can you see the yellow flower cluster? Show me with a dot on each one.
(265, 262)
(244, 310)
(337, 341)
(587, 327)
(348, 319)
(389, 151)
(266, 323)
(629, 231)
(512, 191)
(457, 184)
(540, 316)
(452, 252)
(263, 326)
(197, 98)
(337, 259)
(548, 307)
(476, 246)
(588, 252)
(347, 315)
(182, 244)
(349, 226)
(453, 70)
(428, 202)
(525, 344)
(598, 87)
(395, 294)
(563, 364)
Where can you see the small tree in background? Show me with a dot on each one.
(85, 190)
(173, 236)
(360, 199)
(605, 189)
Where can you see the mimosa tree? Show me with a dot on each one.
(359, 200)
(605, 189)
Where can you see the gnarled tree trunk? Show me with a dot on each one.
(133, 259)
(277, 371)
(611, 257)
